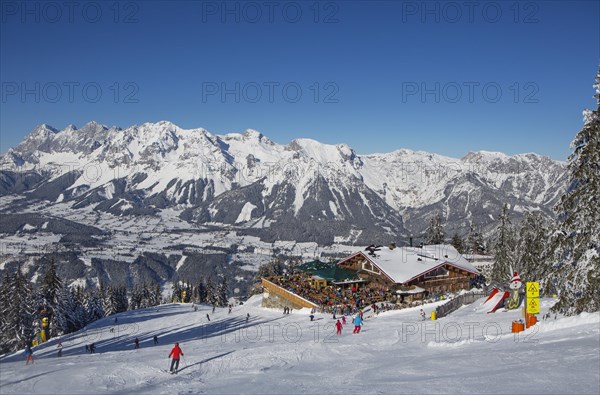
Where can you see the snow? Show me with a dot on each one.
(181, 262)
(245, 213)
(28, 227)
(396, 352)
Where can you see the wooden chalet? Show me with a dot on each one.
(432, 268)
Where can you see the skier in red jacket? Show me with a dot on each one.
(176, 353)
(338, 326)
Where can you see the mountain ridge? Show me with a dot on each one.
(151, 166)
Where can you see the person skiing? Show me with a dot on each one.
(28, 354)
(344, 319)
(116, 320)
(137, 343)
(155, 339)
(247, 317)
(207, 317)
(60, 347)
(176, 353)
(214, 307)
(93, 348)
(338, 326)
(357, 324)
(422, 315)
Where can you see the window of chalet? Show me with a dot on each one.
(439, 272)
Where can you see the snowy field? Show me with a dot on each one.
(466, 352)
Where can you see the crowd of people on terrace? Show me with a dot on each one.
(343, 299)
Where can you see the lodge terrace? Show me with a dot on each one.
(399, 276)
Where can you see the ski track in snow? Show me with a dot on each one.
(396, 352)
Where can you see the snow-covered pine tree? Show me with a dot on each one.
(94, 307)
(504, 248)
(121, 299)
(435, 230)
(222, 293)
(136, 298)
(64, 318)
(19, 314)
(156, 295)
(4, 308)
(211, 297)
(532, 247)
(576, 274)
(475, 243)
(110, 301)
(49, 289)
(145, 292)
(176, 292)
(458, 243)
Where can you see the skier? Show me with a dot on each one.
(93, 348)
(116, 320)
(357, 323)
(247, 317)
(214, 307)
(312, 317)
(175, 353)
(60, 347)
(422, 315)
(230, 307)
(155, 339)
(137, 343)
(207, 317)
(344, 319)
(87, 348)
(28, 354)
(338, 326)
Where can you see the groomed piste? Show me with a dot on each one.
(396, 352)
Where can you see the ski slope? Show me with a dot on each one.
(396, 352)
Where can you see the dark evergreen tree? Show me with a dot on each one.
(475, 243)
(222, 293)
(458, 243)
(211, 297)
(177, 292)
(18, 313)
(504, 248)
(576, 274)
(201, 293)
(532, 247)
(435, 230)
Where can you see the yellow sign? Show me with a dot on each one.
(533, 290)
(533, 305)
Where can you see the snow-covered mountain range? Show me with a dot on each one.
(305, 190)
(156, 203)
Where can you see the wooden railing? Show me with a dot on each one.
(454, 304)
(296, 300)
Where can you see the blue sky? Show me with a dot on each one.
(445, 77)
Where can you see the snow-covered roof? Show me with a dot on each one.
(403, 264)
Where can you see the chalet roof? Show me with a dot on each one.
(403, 264)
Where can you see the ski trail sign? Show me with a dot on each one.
(533, 289)
(533, 305)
